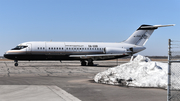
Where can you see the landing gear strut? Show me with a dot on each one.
(16, 63)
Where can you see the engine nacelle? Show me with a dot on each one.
(112, 50)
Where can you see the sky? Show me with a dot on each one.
(88, 21)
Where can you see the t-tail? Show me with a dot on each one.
(142, 34)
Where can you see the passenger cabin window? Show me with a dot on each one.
(19, 47)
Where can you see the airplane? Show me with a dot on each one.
(86, 52)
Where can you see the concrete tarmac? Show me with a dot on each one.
(72, 78)
(34, 93)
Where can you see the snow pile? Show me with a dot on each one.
(141, 72)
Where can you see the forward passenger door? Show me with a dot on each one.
(28, 49)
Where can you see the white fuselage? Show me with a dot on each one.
(69, 50)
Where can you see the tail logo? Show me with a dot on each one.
(142, 36)
(145, 36)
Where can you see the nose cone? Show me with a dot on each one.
(8, 56)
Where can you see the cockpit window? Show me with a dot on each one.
(19, 47)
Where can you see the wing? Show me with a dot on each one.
(99, 56)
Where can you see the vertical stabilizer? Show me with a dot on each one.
(142, 34)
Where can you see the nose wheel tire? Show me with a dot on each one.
(16, 64)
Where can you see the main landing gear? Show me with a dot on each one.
(84, 63)
(90, 62)
(16, 63)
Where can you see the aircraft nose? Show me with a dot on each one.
(5, 54)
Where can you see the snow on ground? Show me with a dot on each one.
(141, 72)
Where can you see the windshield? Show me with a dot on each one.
(19, 47)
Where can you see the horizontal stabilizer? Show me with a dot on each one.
(152, 27)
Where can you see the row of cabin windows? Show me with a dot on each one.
(41, 48)
(84, 48)
(50, 48)
(53, 48)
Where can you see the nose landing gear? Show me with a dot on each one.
(16, 63)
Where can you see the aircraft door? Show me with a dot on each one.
(29, 48)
